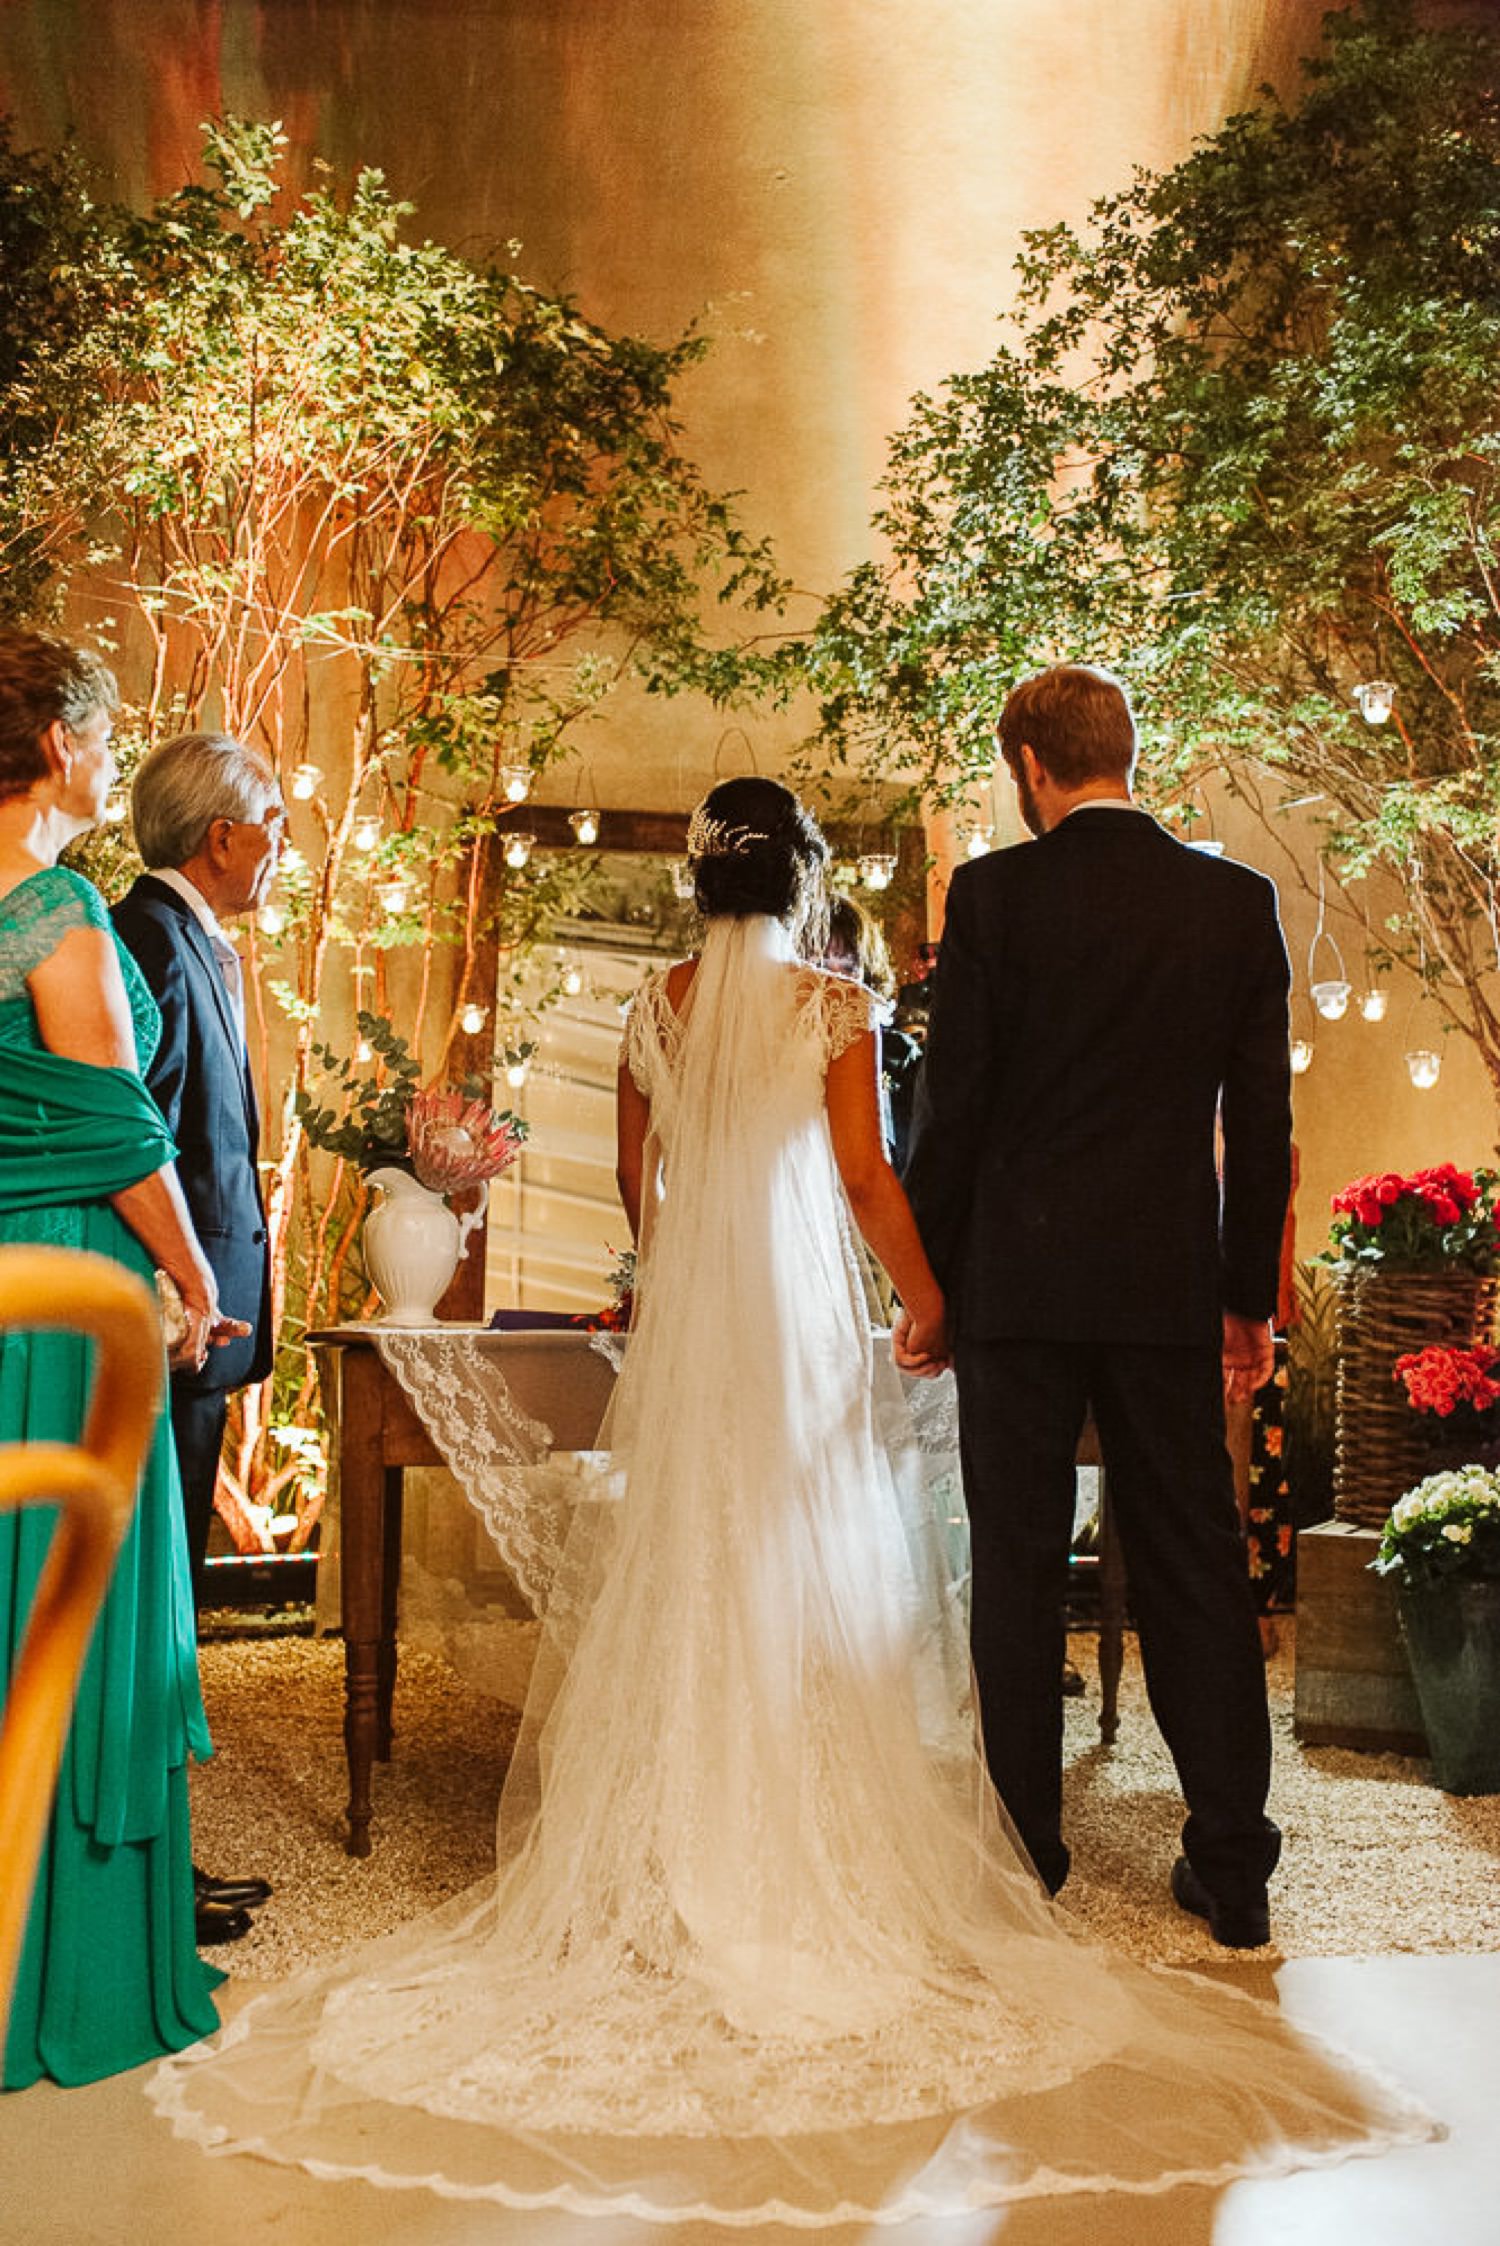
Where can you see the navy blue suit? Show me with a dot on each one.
(1104, 999)
(202, 1084)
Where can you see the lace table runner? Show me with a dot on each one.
(496, 1452)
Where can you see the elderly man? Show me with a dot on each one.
(208, 821)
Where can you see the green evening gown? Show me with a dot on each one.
(110, 1974)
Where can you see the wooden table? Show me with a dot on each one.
(558, 1377)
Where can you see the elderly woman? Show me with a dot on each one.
(110, 1973)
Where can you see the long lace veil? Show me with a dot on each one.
(760, 1946)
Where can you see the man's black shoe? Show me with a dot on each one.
(238, 1894)
(1234, 1926)
(218, 1922)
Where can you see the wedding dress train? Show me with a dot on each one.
(759, 1946)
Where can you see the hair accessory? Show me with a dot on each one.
(708, 837)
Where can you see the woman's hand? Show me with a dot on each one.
(205, 1326)
(919, 1342)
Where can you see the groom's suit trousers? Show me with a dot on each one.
(1159, 1413)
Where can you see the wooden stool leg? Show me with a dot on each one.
(1111, 1617)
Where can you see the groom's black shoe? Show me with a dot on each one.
(1234, 1926)
(233, 1894)
(218, 1922)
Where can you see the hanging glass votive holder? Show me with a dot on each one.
(572, 978)
(393, 896)
(306, 781)
(271, 920)
(519, 845)
(1301, 1055)
(366, 832)
(1424, 1067)
(877, 869)
(1376, 698)
(515, 782)
(1330, 994)
(585, 825)
(472, 1020)
(1374, 1003)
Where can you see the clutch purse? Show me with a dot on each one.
(174, 1321)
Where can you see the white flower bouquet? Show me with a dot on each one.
(1448, 1526)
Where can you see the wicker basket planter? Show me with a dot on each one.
(1383, 1315)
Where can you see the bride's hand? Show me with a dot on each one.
(919, 1344)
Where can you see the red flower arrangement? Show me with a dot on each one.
(1454, 1392)
(1429, 1220)
(1440, 1380)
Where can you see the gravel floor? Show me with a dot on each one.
(1377, 1859)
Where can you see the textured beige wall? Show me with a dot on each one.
(842, 182)
(839, 185)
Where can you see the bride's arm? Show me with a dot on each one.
(632, 1118)
(881, 1209)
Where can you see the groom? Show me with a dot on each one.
(1108, 1003)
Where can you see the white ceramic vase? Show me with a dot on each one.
(413, 1242)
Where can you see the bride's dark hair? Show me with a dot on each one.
(753, 848)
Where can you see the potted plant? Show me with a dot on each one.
(416, 1147)
(1455, 1396)
(1415, 1257)
(1441, 1545)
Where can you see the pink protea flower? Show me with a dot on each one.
(456, 1142)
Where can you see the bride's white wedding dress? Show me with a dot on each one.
(758, 1946)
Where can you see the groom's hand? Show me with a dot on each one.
(1249, 1355)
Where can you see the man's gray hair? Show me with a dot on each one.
(184, 785)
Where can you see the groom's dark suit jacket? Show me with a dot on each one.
(1100, 994)
(202, 1085)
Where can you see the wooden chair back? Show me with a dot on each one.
(94, 1482)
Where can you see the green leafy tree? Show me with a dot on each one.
(1241, 444)
(403, 521)
(50, 268)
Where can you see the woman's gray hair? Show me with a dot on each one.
(184, 785)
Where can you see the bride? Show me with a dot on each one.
(760, 1945)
